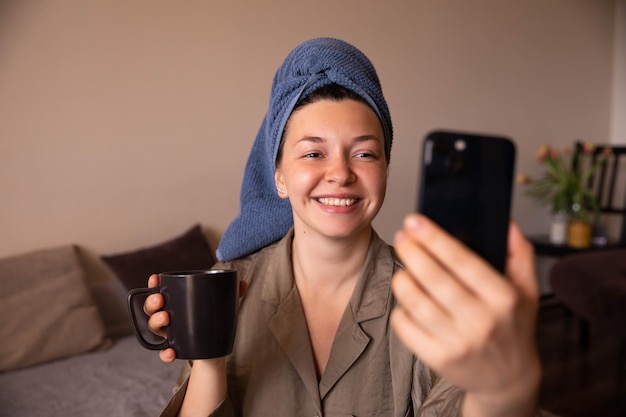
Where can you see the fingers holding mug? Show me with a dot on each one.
(153, 302)
(157, 319)
(157, 323)
(198, 308)
(167, 355)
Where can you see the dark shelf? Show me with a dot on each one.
(544, 247)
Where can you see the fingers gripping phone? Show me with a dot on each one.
(466, 184)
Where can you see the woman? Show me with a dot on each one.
(315, 327)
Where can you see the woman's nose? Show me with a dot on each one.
(340, 170)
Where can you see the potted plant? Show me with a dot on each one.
(565, 187)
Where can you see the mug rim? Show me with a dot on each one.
(192, 272)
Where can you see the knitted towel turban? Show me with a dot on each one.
(263, 216)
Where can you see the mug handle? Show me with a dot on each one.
(133, 320)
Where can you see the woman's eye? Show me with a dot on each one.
(365, 155)
(311, 155)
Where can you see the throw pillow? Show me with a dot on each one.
(46, 308)
(186, 252)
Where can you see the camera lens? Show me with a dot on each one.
(455, 164)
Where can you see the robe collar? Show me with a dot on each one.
(370, 300)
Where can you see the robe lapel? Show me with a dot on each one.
(290, 330)
(352, 341)
(369, 301)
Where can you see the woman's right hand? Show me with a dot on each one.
(207, 381)
(158, 319)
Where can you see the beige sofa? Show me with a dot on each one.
(67, 346)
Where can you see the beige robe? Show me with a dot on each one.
(369, 372)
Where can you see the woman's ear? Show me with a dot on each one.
(280, 183)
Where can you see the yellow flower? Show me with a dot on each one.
(523, 179)
(542, 153)
(553, 153)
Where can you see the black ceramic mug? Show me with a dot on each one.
(202, 306)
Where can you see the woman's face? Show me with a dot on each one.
(333, 167)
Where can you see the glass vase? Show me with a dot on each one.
(558, 228)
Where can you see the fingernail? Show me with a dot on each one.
(413, 223)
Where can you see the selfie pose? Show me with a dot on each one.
(332, 320)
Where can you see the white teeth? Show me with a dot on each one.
(337, 201)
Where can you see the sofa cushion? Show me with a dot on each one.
(189, 251)
(46, 308)
(110, 297)
(593, 286)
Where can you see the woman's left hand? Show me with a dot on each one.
(470, 324)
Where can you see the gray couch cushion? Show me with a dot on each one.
(46, 308)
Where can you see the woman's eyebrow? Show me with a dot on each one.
(358, 139)
(313, 139)
(366, 138)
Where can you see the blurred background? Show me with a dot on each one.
(123, 122)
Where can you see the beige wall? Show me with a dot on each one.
(122, 122)
(618, 107)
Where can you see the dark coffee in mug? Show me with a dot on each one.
(202, 306)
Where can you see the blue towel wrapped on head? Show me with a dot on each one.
(264, 217)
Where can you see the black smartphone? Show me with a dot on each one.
(466, 185)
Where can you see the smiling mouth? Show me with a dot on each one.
(340, 202)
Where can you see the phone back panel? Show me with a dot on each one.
(466, 186)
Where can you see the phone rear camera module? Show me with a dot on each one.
(442, 147)
(455, 165)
